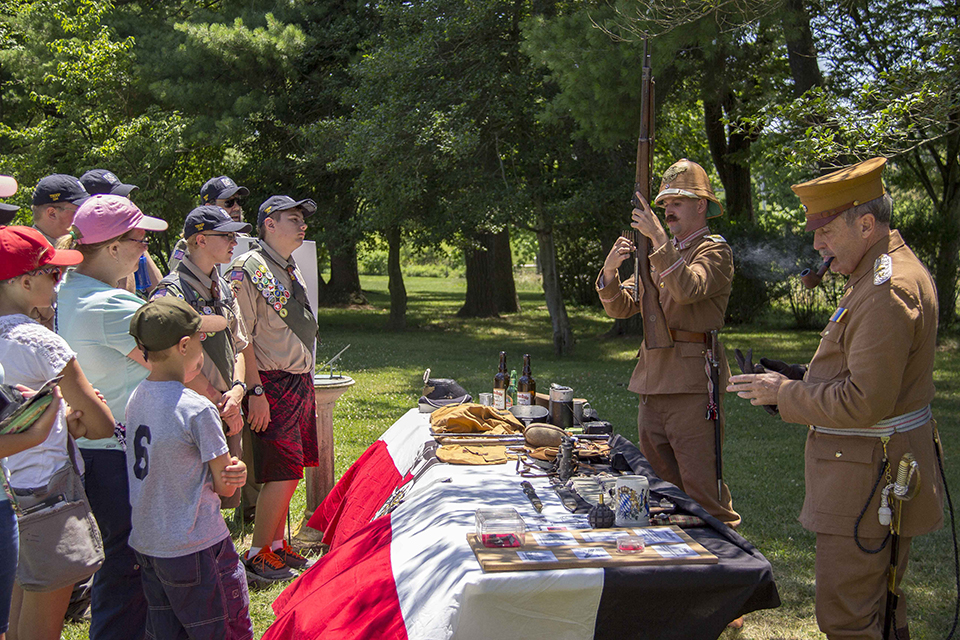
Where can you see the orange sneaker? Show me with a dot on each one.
(290, 557)
(267, 565)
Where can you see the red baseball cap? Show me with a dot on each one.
(24, 249)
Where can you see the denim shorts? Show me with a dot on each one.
(198, 596)
(9, 551)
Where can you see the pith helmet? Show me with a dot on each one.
(828, 196)
(687, 179)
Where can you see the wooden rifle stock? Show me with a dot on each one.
(656, 333)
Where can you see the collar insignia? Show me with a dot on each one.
(882, 269)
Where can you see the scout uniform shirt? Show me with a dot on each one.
(202, 284)
(276, 345)
(874, 362)
(695, 277)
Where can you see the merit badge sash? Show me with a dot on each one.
(293, 312)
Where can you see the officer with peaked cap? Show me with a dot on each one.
(866, 397)
(694, 271)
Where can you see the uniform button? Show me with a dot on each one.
(838, 454)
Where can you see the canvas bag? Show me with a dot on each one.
(60, 541)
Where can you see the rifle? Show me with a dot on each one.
(656, 333)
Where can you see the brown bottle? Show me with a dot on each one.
(526, 385)
(500, 383)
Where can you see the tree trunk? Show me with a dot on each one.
(547, 250)
(398, 293)
(504, 286)
(801, 50)
(947, 267)
(480, 301)
(344, 284)
(731, 157)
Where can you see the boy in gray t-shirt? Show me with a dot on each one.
(178, 463)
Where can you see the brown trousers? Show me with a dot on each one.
(852, 587)
(680, 445)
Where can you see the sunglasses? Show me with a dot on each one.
(229, 236)
(56, 272)
(229, 203)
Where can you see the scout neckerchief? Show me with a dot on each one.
(293, 308)
(218, 346)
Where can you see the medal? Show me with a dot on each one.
(283, 312)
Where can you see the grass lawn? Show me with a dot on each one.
(763, 456)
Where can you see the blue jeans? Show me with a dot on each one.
(9, 549)
(202, 596)
(119, 609)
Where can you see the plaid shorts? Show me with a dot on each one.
(289, 443)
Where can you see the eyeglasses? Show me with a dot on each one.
(144, 242)
(229, 236)
(56, 272)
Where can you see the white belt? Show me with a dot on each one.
(884, 428)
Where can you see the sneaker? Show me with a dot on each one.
(292, 558)
(267, 566)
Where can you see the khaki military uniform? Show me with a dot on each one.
(695, 278)
(875, 362)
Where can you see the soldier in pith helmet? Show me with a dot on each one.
(694, 272)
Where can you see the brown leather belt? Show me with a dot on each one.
(688, 336)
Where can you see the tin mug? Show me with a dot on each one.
(631, 497)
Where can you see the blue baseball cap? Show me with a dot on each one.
(211, 218)
(282, 203)
(60, 187)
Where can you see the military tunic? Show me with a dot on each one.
(875, 362)
(694, 277)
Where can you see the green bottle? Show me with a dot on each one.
(512, 389)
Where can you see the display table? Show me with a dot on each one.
(410, 573)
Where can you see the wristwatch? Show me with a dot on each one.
(255, 390)
(240, 383)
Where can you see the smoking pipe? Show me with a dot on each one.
(811, 280)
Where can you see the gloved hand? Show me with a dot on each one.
(792, 371)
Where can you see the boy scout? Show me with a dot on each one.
(210, 235)
(281, 403)
(866, 396)
(694, 273)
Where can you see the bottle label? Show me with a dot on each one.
(500, 399)
(524, 398)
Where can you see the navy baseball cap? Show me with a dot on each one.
(103, 181)
(221, 188)
(59, 187)
(7, 212)
(282, 203)
(211, 218)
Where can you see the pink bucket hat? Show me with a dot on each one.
(106, 216)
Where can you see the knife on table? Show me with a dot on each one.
(532, 495)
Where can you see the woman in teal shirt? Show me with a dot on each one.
(93, 316)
